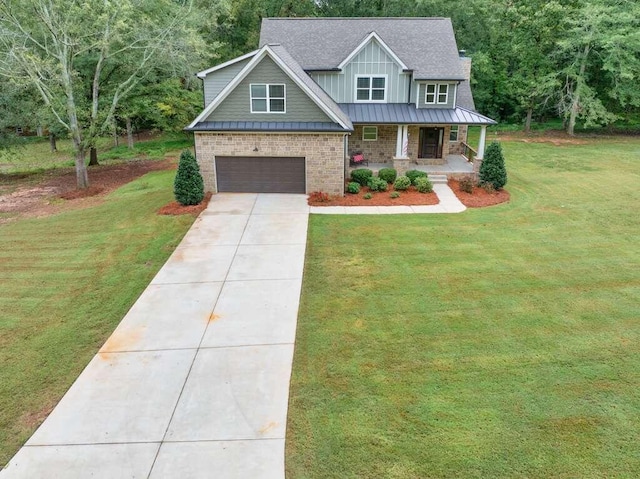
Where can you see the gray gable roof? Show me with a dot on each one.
(426, 45)
(295, 67)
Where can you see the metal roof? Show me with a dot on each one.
(425, 45)
(266, 126)
(407, 113)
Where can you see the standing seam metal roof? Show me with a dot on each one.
(407, 113)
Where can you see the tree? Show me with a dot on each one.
(188, 186)
(492, 169)
(84, 57)
(601, 56)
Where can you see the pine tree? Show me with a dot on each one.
(188, 186)
(492, 169)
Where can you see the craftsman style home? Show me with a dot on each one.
(323, 95)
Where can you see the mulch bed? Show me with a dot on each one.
(479, 198)
(407, 198)
(85, 193)
(175, 208)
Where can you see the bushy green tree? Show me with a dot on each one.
(492, 169)
(188, 186)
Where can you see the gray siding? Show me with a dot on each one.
(372, 60)
(216, 81)
(420, 97)
(299, 107)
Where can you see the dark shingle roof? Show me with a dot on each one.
(266, 126)
(407, 113)
(426, 45)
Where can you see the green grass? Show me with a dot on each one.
(34, 154)
(498, 343)
(67, 280)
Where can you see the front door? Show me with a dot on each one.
(431, 142)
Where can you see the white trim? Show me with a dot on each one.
(264, 51)
(435, 93)
(204, 73)
(384, 46)
(268, 98)
(455, 94)
(369, 139)
(446, 95)
(481, 142)
(451, 130)
(371, 76)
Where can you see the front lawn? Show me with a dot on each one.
(67, 281)
(497, 343)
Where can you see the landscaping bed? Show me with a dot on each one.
(410, 197)
(174, 208)
(480, 196)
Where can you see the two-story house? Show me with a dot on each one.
(287, 117)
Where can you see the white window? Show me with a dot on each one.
(430, 95)
(371, 88)
(453, 134)
(369, 133)
(436, 93)
(267, 98)
(443, 93)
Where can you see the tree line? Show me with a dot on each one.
(90, 68)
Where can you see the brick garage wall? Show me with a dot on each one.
(381, 150)
(324, 154)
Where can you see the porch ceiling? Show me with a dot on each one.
(407, 113)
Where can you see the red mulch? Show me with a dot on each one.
(479, 198)
(175, 208)
(406, 198)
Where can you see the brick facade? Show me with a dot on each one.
(455, 147)
(381, 150)
(324, 153)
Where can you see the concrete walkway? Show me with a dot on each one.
(194, 382)
(449, 203)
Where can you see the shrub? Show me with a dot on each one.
(188, 187)
(492, 169)
(367, 196)
(353, 187)
(402, 183)
(395, 194)
(488, 187)
(466, 185)
(423, 185)
(414, 174)
(388, 174)
(361, 176)
(377, 184)
(318, 197)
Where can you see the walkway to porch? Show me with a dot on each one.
(454, 165)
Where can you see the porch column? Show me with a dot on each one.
(399, 141)
(483, 138)
(405, 140)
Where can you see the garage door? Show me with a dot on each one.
(250, 174)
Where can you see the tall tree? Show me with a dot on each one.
(601, 61)
(68, 47)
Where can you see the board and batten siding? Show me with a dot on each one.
(372, 60)
(419, 91)
(237, 106)
(214, 82)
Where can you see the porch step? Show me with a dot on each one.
(437, 179)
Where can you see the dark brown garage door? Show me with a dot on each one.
(248, 174)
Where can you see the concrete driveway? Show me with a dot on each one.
(194, 382)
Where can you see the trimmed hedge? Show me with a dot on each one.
(402, 183)
(414, 174)
(188, 187)
(353, 187)
(361, 176)
(423, 185)
(388, 174)
(377, 184)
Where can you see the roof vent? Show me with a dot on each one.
(462, 53)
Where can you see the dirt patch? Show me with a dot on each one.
(56, 191)
(480, 197)
(410, 197)
(175, 208)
